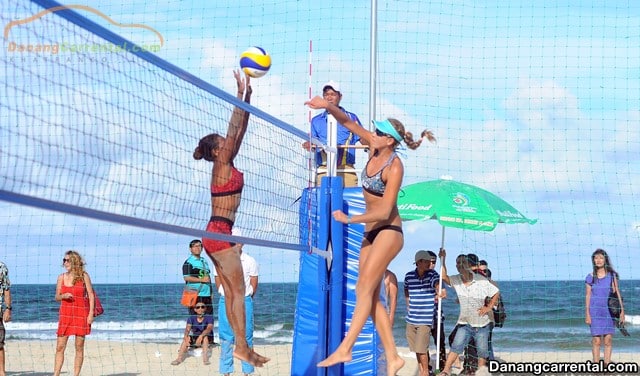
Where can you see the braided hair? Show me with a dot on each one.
(408, 136)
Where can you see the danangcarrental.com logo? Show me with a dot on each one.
(57, 47)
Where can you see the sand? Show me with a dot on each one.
(35, 358)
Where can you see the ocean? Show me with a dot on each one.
(541, 315)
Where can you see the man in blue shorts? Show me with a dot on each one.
(474, 321)
(250, 271)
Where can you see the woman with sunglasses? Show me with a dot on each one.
(226, 187)
(76, 311)
(198, 333)
(383, 238)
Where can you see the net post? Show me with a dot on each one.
(336, 273)
(324, 277)
(332, 142)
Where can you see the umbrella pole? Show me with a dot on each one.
(439, 312)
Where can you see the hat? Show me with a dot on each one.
(424, 255)
(332, 84)
(385, 126)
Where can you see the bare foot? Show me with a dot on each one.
(394, 365)
(335, 358)
(250, 357)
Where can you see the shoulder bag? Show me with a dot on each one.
(615, 305)
(97, 305)
(190, 296)
(499, 313)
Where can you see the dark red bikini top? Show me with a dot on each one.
(233, 186)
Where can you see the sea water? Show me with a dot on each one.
(541, 315)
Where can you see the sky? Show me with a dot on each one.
(538, 102)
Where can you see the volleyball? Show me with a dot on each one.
(255, 62)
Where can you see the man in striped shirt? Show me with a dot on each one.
(420, 286)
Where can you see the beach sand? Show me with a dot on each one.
(35, 358)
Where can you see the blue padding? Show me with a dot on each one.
(310, 319)
(336, 276)
(312, 323)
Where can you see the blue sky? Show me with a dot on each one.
(538, 102)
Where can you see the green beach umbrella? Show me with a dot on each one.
(456, 204)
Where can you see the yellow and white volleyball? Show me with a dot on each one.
(255, 62)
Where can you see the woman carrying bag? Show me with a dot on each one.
(599, 285)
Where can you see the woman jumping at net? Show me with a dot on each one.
(383, 238)
(226, 189)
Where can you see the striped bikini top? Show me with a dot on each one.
(374, 184)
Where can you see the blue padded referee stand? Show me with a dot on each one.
(326, 295)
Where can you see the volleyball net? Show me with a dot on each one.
(96, 149)
(110, 128)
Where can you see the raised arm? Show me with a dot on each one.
(320, 103)
(445, 276)
(238, 122)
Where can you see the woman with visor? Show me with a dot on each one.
(383, 239)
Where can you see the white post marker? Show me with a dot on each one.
(332, 143)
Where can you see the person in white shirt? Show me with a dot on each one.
(474, 320)
(225, 332)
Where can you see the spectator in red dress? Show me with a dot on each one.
(74, 291)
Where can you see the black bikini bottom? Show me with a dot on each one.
(371, 235)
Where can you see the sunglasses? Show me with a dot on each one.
(200, 307)
(380, 133)
(65, 260)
